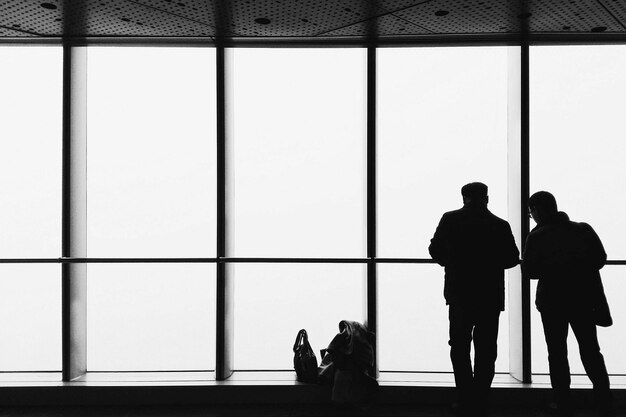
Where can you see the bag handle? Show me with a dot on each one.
(301, 339)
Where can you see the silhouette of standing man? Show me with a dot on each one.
(475, 247)
(566, 258)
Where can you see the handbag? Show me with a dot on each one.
(304, 360)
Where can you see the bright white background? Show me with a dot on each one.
(299, 191)
(30, 210)
(299, 152)
(151, 177)
(442, 120)
(299, 188)
(578, 149)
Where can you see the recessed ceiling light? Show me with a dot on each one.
(49, 6)
(441, 12)
(598, 29)
(262, 21)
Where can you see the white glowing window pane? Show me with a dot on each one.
(274, 301)
(31, 85)
(299, 152)
(151, 152)
(577, 135)
(150, 317)
(30, 307)
(413, 321)
(442, 123)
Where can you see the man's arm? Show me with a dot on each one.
(439, 248)
(531, 263)
(596, 254)
(510, 254)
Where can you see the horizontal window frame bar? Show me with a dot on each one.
(234, 260)
(434, 40)
(125, 371)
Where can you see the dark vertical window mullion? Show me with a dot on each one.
(221, 215)
(371, 301)
(525, 190)
(74, 213)
(224, 293)
(65, 215)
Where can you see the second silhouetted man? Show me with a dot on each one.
(475, 247)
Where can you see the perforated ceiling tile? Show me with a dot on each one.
(197, 10)
(9, 33)
(571, 16)
(301, 18)
(470, 16)
(398, 5)
(98, 18)
(387, 25)
(29, 16)
(128, 18)
(617, 8)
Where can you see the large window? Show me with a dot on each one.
(30, 213)
(297, 163)
(274, 301)
(151, 172)
(299, 191)
(577, 153)
(442, 120)
(299, 152)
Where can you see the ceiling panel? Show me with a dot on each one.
(127, 18)
(295, 19)
(6, 32)
(382, 26)
(397, 5)
(201, 11)
(572, 16)
(98, 18)
(307, 19)
(29, 16)
(617, 8)
(475, 16)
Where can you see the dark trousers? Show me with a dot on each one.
(555, 328)
(481, 326)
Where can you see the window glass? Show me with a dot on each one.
(150, 317)
(30, 307)
(577, 146)
(274, 301)
(413, 321)
(577, 154)
(299, 152)
(442, 120)
(30, 151)
(30, 214)
(442, 123)
(151, 152)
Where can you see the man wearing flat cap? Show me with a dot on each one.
(475, 247)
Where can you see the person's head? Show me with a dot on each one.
(475, 193)
(541, 206)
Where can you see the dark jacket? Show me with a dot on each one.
(348, 364)
(565, 257)
(475, 247)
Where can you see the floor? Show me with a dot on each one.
(268, 411)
